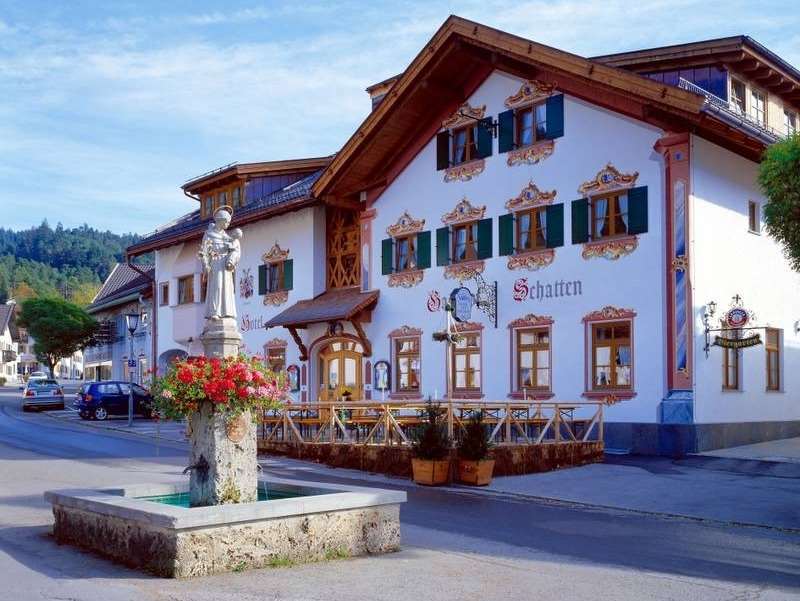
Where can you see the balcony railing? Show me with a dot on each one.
(730, 109)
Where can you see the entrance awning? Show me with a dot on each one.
(346, 304)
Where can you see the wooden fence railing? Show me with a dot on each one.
(395, 422)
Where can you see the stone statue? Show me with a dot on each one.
(220, 252)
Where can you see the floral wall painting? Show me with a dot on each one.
(382, 375)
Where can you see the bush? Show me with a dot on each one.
(2, 381)
(431, 441)
(779, 176)
(474, 444)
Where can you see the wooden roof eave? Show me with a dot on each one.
(247, 170)
(455, 29)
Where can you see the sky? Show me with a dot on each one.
(106, 108)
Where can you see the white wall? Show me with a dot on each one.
(729, 260)
(593, 137)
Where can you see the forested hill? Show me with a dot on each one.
(70, 262)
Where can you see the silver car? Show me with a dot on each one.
(40, 393)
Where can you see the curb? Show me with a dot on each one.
(124, 430)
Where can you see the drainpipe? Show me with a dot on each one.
(154, 318)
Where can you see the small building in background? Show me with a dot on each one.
(9, 342)
(126, 291)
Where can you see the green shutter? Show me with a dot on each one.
(443, 246)
(424, 249)
(484, 145)
(262, 280)
(637, 210)
(288, 274)
(387, 256)
(442, 150)
(580, 221)
(505, 227)
(484, 238)
(555, 117)
(555, 225)
(505, 136)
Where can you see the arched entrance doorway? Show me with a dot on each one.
(340, 370)
(168, 357)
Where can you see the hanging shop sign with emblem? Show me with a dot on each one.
(462, 301)
(737, 331)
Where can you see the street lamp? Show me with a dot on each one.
(132, 322)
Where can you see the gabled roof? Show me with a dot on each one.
(291, 197)
(7, 320)
(264, 168)
(123, 282)
(452, 65)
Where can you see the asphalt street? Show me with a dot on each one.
(457, 544)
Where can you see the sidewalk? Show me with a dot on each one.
(162, 430)
(785, 450)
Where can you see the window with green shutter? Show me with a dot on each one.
(555, 226)
(262, 280)
(505, 227)
(580, 221)
(484, 238)
(387, 256)
(288, 274)
(424, 250)
(505, 135)
(555, 117)
(637, 210)
(275, 276)
(443, 246)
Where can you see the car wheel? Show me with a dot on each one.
(26, 409)
(100, 413)
(84, 415)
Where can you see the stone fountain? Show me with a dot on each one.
(216, 522)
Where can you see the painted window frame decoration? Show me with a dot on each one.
(472, 120)
(412, 230)
(532, 95)
(531, 201)
(274, 348)
(382, 374)
(464, 214)
(608, 315)
(607, 184)
(277, 259)
(293, 377)
(529, 322)
(396, 336)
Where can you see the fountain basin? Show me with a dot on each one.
(313, 521)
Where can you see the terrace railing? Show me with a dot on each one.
(395, 422)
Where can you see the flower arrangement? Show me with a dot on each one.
(232, 385)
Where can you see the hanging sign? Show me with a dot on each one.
(462, 301)
(736, 343)
(737, 317)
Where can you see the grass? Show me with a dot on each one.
(337, 553)
(280, 562)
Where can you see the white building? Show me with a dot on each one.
(613, 211)
(9, 340)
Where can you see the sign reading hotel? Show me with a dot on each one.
(523, 290)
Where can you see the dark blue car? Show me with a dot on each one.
(98, 400)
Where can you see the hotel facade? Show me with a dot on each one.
(603, 212)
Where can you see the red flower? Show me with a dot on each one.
(185, 375)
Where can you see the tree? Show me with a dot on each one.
(779, 177)
(83, 294)
(22, 292)
(59, 328)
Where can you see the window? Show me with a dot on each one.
(163, 301)
(532, 229)
(108, 389)
(275, 276)
(186, 290)
(407, 364)
(533, 359)
(609, 216)
(612, 361)
(222, 199)
(465, 242)
(531, 124)
(276, 358)
(467, 363)
(753, 217)
(773, 348)
(405, 253)
(208, 205)
(730, 363)
(204, 285)
(236, 197)
(464, 144)
(758, 106)
(790, 122)
(738, 96)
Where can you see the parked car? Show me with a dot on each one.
(42, 392)
(98, 400)
(35, 375)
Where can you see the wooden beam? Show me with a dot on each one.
(299, 342)
(365, 343)
(342, 203)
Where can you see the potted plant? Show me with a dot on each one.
(474, 465)
(431, 446)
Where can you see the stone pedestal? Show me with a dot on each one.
(224, 466)
(223, 458)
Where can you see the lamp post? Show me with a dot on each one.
(132, 322)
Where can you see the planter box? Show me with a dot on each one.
(430, 472)
(477, 473)
(177, 542)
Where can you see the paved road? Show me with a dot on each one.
(456, 545)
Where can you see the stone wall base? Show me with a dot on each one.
(677, 440)
(212, 550)
(510, 460)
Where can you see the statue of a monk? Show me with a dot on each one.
(219, 254)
